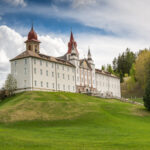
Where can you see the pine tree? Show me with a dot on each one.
(146, 97)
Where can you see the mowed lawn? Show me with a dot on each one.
(67, 121)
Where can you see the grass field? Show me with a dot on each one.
(67, 121)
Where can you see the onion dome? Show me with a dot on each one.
(32, 36)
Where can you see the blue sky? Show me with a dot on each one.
(108, 27)
(21, 15)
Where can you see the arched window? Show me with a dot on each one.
(36, 48)
(29, 47)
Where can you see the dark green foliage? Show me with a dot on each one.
(2, 94)
(103, 68)
(146, 97)
(109, 68)
(123, 63)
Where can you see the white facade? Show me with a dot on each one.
(36, 74)
(35, 71)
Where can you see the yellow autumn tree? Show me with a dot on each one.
(141, 67)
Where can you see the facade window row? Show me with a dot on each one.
(42, 84)
(42, 63)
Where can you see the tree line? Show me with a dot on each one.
(135, 68)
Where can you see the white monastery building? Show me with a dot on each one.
(36, 71)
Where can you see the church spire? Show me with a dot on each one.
(71, 37)
(72, 43)
(89, 54)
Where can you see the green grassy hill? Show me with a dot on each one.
(67, 121)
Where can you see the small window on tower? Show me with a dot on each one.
(29, 47)
(36, 48)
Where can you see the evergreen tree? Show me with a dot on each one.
(146, 97)
(103, 68)
(123, 64)
(109, 68)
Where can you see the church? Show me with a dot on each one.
(36, 71)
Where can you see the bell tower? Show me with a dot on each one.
(32, 43)
(72, 45)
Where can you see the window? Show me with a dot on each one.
(25, 71)
(34, 61)
(25, 61)
(52, 74)
(29, 47)
(15, 63)
(64, 87)
(46, 72)
(46, 64)
(47, 84)
(63, 76)
(35, 83)
(41, 72)
(41, 84)
(34, 70)
(53, 85)
(25, 83)
(41, 62)
(68, 77)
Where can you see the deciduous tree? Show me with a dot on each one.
(10, 84)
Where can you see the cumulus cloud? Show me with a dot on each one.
(16, 2)
(128, 18)
(53, 46)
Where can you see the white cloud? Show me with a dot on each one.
(80, 3)
(128, 18)
(53, 46)
(16, 2)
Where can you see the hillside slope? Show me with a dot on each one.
(67, 121)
